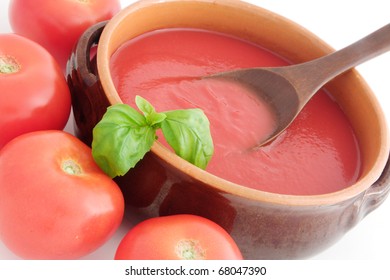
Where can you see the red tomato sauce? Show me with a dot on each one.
(317, 154)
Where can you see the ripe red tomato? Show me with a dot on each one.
(34, 93)
(57, 25)
(177, 237)
(56, 203)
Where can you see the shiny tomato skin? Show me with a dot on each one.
(177, 237)
(35, 95)
(57, 25)
(49, 207)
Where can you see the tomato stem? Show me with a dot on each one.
(8, 65)
(71, 167)
(188, 249)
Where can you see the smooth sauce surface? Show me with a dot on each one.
(317, 154)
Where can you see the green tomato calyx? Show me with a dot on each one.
(70, 167)
(189, 249)
(8, 65)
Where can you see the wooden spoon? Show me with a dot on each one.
(287, 89)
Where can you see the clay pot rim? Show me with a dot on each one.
(229, 188)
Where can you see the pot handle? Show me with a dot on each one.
(377, 193)
(88, 99)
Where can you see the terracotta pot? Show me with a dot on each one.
(265, 225)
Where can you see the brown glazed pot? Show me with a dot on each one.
(265, 225)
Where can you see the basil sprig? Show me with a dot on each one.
(125, 135)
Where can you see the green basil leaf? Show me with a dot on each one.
(124, 136)
(121, 139)
(188, 133)
(152, 117)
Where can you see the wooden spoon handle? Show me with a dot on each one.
(319, 71)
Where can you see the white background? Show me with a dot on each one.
(339, 23)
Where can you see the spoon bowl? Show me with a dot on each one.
(287, 89)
